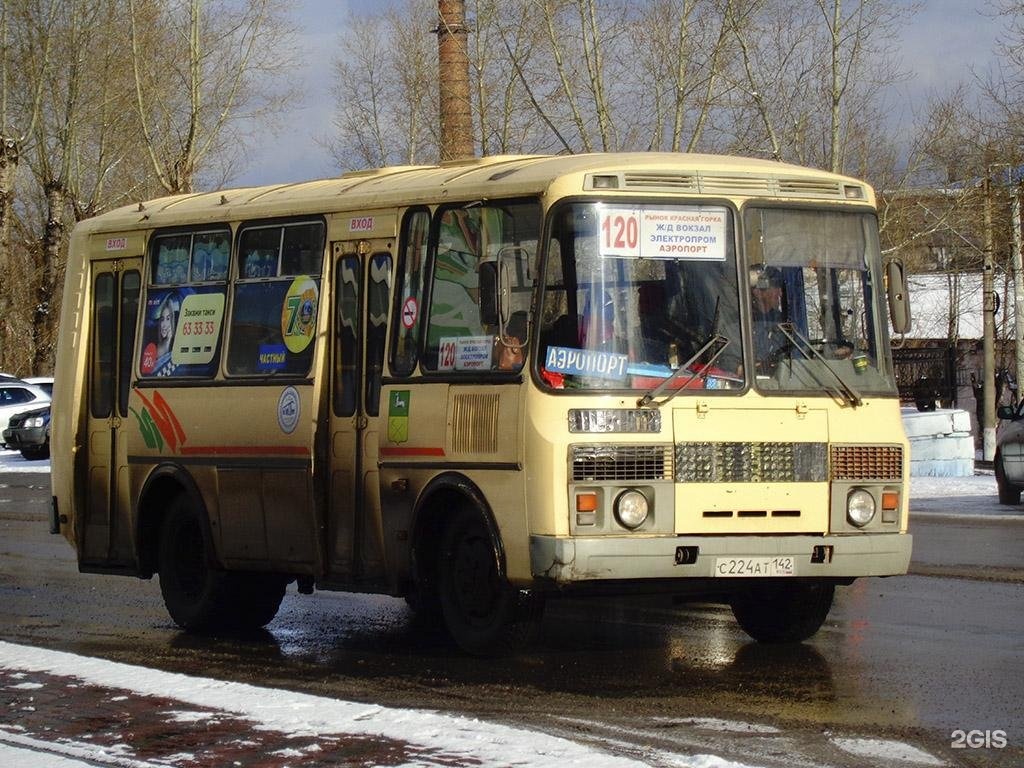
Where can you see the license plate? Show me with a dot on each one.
(754, 566)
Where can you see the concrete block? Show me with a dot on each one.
(945, 421)
(949, 468)
(946, 448)
(961, 421)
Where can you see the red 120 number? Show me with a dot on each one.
(621, 232)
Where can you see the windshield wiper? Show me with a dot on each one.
(801, 342)
(648, 399)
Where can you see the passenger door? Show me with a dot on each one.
(361, 307)
(106, 533)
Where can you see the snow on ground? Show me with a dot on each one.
(466, 740)
(959, 497)
(885, 752)
(23, 758)
(11, 461)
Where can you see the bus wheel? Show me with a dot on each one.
(482, 612)
(197, 596)
(258, 597)
(773, 612)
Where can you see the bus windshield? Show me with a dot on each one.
(816, 317)
(635, 295)
(640, 296)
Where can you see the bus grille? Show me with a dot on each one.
(474, 424)
(677, 181)
(737, 184)
(867, 462)
(594, 463)
(706, 462)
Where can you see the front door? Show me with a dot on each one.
(115, 286)
(361, 290)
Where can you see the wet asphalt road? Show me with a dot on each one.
(909, 659)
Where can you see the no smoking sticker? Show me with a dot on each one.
(410, 309)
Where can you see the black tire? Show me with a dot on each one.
(483, 613)
(1009, 493)
(35, 454)
(258, 597)
(782, 612)
(425, 605)
(199, 597)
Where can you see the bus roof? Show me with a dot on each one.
(489, 177)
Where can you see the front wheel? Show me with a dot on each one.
(782, 612)
(484, 614)
(36, 453)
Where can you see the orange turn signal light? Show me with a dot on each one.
(890, 500)
(586, 502)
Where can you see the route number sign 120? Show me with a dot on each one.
(620, 232)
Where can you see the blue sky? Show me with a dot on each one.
(940, 46)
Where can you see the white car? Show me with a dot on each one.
(18, 396)
(45, 383)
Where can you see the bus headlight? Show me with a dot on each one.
(631, 508)
(860, 507)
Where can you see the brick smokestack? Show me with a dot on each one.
(453, 69)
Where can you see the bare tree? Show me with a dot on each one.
(25, 46)
(813, 71)
(81, 134)
(195, 67)
(385, 88)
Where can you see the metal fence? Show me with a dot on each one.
(926, 373)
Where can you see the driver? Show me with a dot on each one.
(766, 288)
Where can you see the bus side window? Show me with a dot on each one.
(377, 305)
(346, 335)
(273, 315)
(408, 311)
(101, 394)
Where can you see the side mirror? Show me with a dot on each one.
(1006, 412)
(495, 302)
(899, 300)
(489, 293)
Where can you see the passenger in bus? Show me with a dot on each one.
(509, 351)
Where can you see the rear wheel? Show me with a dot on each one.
(484, 614)
(197, 595)
(1008, 492)
(201, 597)
(788, 612)
(258, 597)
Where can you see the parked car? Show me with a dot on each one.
(1009, 461)
(29, 432)
(18, 396)
(45, 383)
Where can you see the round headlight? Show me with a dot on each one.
(631, 508)
(860, 507)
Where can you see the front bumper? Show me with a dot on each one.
(25, 437)
(581, 559)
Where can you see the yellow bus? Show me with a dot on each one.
(483, 384)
